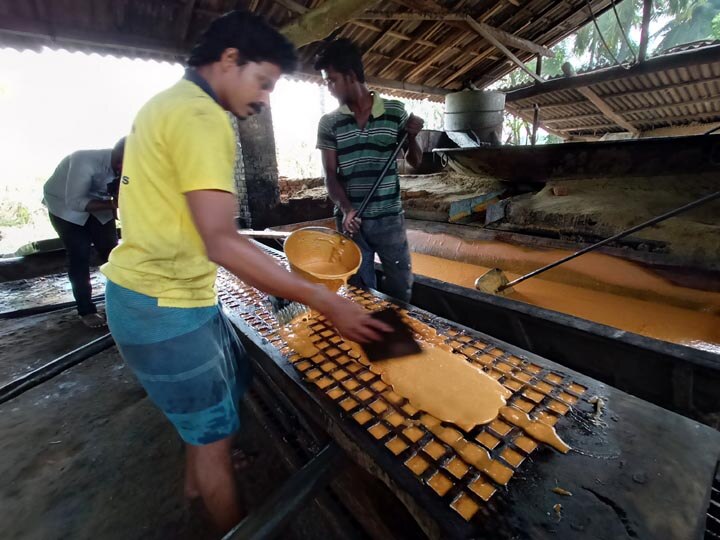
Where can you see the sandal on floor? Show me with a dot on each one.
(93, 320)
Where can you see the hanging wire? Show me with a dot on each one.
(602, 38)
(624, 33)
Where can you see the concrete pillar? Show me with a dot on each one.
(257, 142)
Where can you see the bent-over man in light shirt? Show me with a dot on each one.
(81, 205)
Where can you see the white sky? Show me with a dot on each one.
(55, 102)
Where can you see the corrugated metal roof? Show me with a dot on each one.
(679, 87)
(428, 56)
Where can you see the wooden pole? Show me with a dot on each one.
(536, 107)
(645, 31)
(319, 23)
(480, 29)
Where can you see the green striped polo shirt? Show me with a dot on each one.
(362, 153)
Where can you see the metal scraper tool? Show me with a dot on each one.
(287, 310)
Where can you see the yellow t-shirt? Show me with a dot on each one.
(181, 141)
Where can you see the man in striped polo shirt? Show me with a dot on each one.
(356, 141)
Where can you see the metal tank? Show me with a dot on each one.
(474, 117)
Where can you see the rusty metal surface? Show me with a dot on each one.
(391, 438)
(588, 160)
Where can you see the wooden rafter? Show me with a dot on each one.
(607, 110)
(467, 67)
(182, 22)
(504, 37)
(420, 5)
(551, 36)
(634, 110)
(292, 5)
(480, 29)
(449, 43)
(316, 24)
(419, 35)
(379, 39)
(658, 122)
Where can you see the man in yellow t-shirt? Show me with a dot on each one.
(177, 214)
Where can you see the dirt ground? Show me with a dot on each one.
(61, 332)
(86, 455)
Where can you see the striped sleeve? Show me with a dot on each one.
(403, 118)
(395, 110)
(326, 138)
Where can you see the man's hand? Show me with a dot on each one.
(98, 205)
(351, 223)
(213, 213)
(413, 125)
(353, 321)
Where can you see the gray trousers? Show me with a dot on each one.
(385, 236)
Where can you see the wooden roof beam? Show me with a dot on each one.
(480, 29)
(467, 67)
(317, 24)
(421, 5)
(293, 6)
(182, 22)
(421, 34)
(501, 35)
(451, 42)
(607, 110)
(657, 122)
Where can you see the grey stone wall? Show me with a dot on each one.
(259, 162)
(243, 215)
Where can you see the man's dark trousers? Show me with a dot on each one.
(78, 240)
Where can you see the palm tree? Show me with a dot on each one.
(614, 26)
(692, 21)
(689, 20)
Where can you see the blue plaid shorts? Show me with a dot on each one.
(189, 360)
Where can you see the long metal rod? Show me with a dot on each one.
(53, 368)
(622, 234)
(267, 522)
(36, 310)
(379, 180)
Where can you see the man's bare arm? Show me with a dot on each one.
(336, 191)
(213, 214)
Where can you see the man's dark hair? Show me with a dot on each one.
(343, 56)
(251, 35)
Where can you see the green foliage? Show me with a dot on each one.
(692, 21)
(716, 26)
(14, 214)
(688, 21)
(613, 30)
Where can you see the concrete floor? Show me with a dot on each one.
(86, 455)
